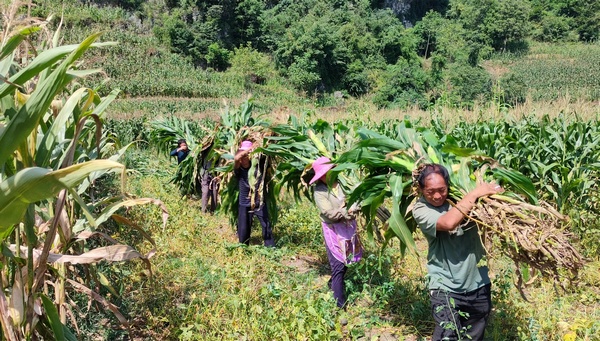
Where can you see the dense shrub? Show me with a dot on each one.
(217, 57)
(303, 74)
(254, 66)
(464, 84)
(404, 85)
(552, 28)
(513, 89)
(356, 79)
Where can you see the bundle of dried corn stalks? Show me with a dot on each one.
(530, 235)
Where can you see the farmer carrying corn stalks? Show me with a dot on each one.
(459, 288)
(251, 202)
(339, 227)
(181, 151)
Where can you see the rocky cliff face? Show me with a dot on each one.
(401, 9)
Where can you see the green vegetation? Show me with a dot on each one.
(207, 287)
(384, 284)
(484, 70)
(50, 213)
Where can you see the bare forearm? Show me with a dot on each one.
(456, 214)
(237, 159)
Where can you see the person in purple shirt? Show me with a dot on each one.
(339, 227)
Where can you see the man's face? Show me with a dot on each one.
(435, 190)
(183, 146)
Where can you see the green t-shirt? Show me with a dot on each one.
(452, 258)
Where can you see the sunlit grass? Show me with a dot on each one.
(208, 287)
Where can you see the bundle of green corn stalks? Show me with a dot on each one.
(296, 144)
(237, 126)
(164, 134)
(530, 232)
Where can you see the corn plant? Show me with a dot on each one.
(559, 156)
(49, 160)
(295, 145)
(164, 134)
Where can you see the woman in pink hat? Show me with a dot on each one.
(250, 207)
(339, 227)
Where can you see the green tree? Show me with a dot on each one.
(553, 16)
(255, 66)
(552, 28)
(248, 28)
(335, 44)
(217, 57)
(404, 85)
(507, 23)
(490, 24)
(466, 84)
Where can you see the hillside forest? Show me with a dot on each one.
(397, 53)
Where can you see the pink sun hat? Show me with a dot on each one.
(246, 145)
(321, 166)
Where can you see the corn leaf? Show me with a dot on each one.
(397, 221)
(111, 253)
(43, 61)
(110, 210)
(53, 317)
(33, 184)
(53, 135)
(520, 183)
(28, 117)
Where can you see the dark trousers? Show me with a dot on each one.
(245, 216)
(336, 283)
(461, 316)
(209, 192)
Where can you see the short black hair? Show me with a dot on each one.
(432, 168)
(180, 141)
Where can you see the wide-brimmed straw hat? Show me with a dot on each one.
(321, 166)
(246, 145)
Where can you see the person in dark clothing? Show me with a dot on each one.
(209, 191)
(181, 151)
(250, 206)
(209, 185)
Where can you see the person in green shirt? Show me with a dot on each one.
(459, 287)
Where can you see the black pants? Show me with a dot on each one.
(244, 229)
(336, 283)
(460, 316)
(210, 189)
